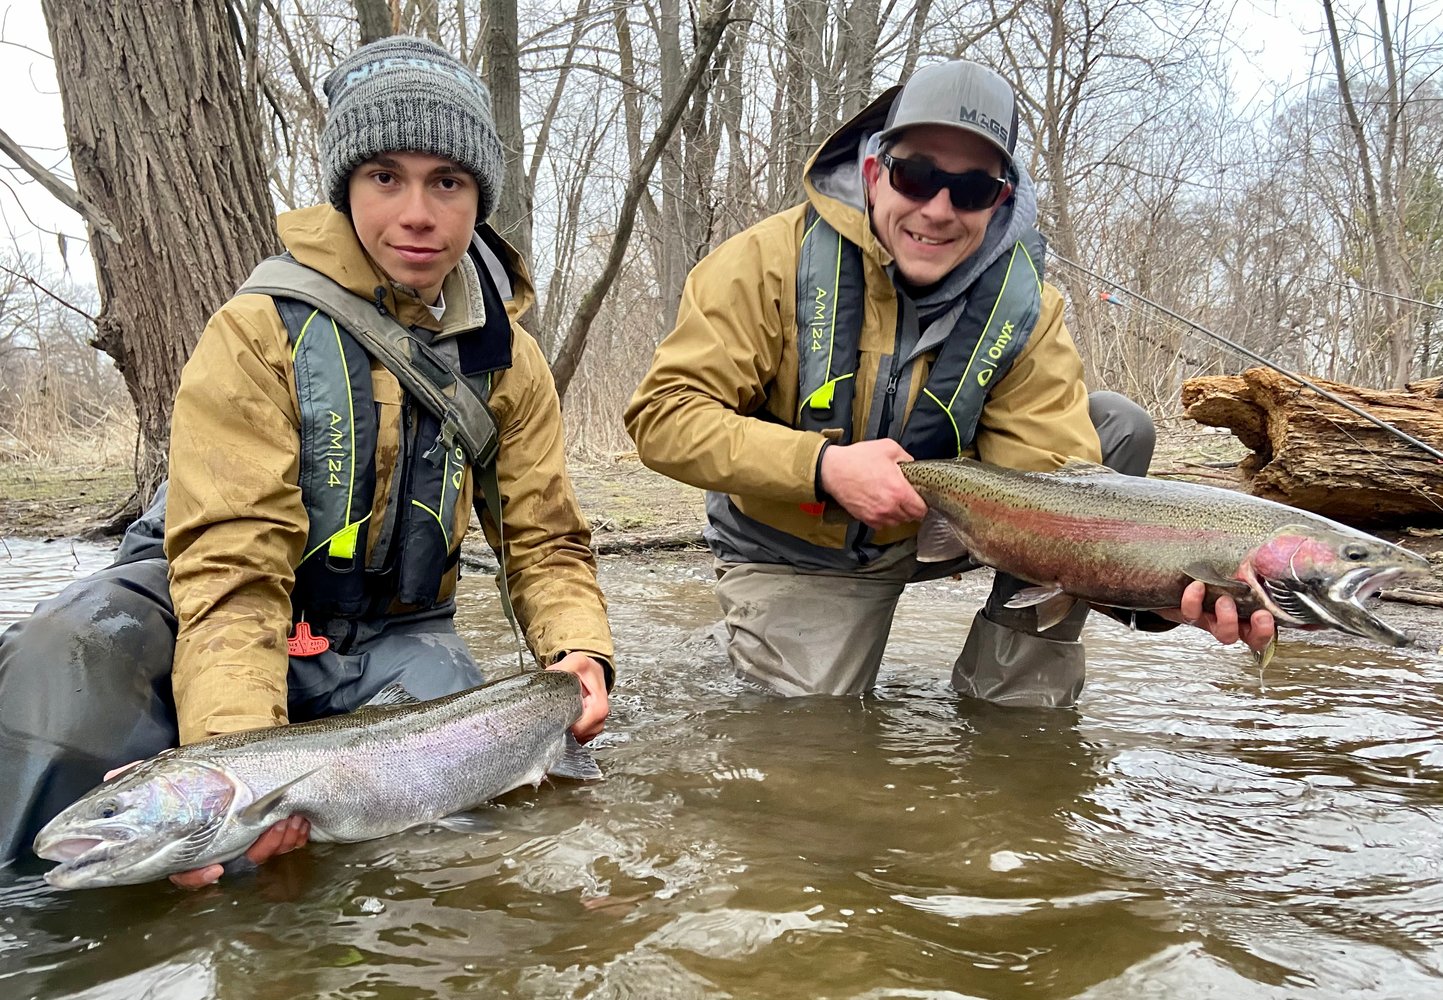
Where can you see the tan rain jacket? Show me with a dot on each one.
(236, 524)
(719, 407)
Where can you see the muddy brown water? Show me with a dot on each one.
(1193, 829)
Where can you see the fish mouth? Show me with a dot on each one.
(67, 848)
(78, 854)
(1340, 604)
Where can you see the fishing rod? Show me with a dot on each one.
(1353, 286)
(1240, 349)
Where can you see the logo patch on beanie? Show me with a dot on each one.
(459, 74)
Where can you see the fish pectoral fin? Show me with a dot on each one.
(938, 540)
(468, 822)
(265, 810)
(576, 762)
(1028, 596)
(390, 696)
(1052, 603)
(1211, 577)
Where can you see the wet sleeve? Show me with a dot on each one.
(692, 415)
(235, 524)
(550, 568)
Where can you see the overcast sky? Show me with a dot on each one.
(31, 112)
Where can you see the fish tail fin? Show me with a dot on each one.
(576, 762)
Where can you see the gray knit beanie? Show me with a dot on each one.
(405, 94)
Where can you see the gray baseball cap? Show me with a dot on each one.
(961, 94)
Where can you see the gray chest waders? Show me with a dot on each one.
(330, 328)
(1002, 308)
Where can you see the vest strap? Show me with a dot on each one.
(466, 421)
(986, 336)
(830, 287)
(1003, 306)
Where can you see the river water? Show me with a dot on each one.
(1193, 829)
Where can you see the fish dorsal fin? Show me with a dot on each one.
(1052, 604)
(391, 696)
(576, 762)
(938, 540)
(1079, 467)
(1210, 576)
(264, 810)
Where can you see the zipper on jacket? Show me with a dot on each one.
(864, 534)
(884, 429)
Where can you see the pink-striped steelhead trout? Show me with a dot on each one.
(1084, 532)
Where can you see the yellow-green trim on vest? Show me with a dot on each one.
(1003, 305)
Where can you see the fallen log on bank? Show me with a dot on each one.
(1311, 453)
(478, 555)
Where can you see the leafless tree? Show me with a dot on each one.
(164, 144)
(1256, 222)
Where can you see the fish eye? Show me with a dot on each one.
(109, 808)
(1355, 552)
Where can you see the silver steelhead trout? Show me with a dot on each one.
(1086, 532)
(390, 765)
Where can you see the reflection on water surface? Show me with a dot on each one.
(1194, 829)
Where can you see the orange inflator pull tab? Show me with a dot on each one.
(814, 508)
(302, 643)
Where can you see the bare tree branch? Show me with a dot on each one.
(568, 357)
(63, 192)
(45, 291)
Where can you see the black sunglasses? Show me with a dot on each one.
(971, 191)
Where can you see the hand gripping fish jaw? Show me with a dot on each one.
(1310, 578)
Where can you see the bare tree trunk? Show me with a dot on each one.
(859, 55)
(376, 19)
(568, 357)
(689, 201)
(914, 38)
(794, 143)
(1382, 232)
(425, 18)
(580, 23)
(512, 218)
(632, 122)
(164, 145)
(740, 198)
(676, 201)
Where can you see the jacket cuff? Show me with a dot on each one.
(220, 725)
(822, 495)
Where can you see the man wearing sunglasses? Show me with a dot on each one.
(899, 313)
